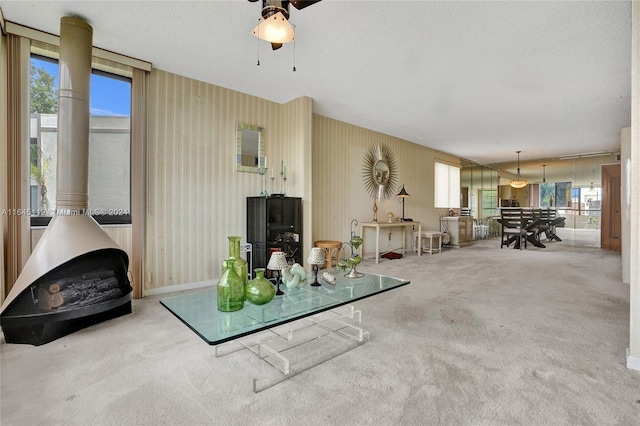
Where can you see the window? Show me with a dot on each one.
(109, 143)
(489, 202)
(446, 192)
(547, 194)
(563, 194)
(556, 194)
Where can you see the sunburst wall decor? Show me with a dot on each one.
(379, 172)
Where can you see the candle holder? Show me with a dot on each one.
(283, 176)
(355, 242)
(272, 179)
(262, 171)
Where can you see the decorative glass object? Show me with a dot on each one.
(294, 276)
(354, 260)
(343, 263)
(230, 289)
(262, 171)
(239, 265)
(259, 290)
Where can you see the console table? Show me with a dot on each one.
(293, 332)
(384, 225)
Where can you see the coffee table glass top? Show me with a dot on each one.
(199, 311)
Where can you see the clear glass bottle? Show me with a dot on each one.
(230, 289)
(259, 290)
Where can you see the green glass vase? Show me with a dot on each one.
(230, 289)
(259, 290)
(239, 265)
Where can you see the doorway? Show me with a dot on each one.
(611, 234)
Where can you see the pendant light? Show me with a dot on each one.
(544, 179)
(518, 182)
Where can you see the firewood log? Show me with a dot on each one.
(108, 284)
(48, 300)
(56, 300)
(43, 299)
(103, 273)
(59, 284)
(70, 295)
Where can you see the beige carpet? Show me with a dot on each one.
(481, 336)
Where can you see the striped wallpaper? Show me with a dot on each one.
(339, 194)
(195, 197)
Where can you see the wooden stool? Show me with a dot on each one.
(331, 251)
(431, 235)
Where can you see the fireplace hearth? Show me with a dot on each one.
(87, 290)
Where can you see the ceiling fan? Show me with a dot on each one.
(275, 27)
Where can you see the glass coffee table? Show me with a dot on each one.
(199, 311)
(292, 333)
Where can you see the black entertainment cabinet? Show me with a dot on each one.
(274, 223)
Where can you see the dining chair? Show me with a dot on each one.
(513, 231)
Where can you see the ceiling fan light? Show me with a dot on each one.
(275, 29)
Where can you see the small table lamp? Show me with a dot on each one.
(316, 257)
(401, 196)
(278, 262)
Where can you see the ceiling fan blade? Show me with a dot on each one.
(301, 4)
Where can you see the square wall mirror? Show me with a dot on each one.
(249, 147)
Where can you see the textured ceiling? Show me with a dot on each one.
(475, 79)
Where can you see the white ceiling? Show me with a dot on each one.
(476, 79)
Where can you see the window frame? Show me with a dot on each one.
(121, 219)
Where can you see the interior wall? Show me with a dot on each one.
(633, 360)
(195, 197)
(339, 194)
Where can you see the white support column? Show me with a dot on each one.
(633, 358)
(625, 201)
